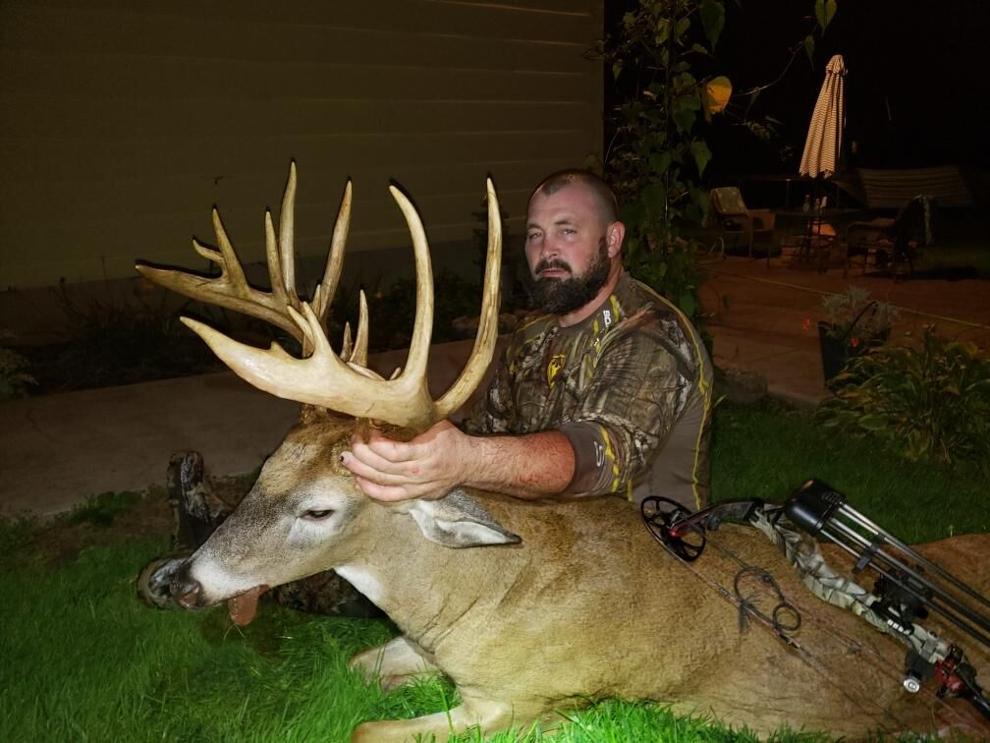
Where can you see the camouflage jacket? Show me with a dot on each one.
(615, 384)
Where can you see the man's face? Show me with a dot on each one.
(567, 248)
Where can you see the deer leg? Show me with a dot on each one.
(487, 715)
(397, 662)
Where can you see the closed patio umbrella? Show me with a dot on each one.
(823, 146)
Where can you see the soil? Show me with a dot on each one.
(60, 540)
(144, 517)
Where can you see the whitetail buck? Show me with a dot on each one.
(529, 608)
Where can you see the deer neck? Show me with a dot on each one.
(425, 588)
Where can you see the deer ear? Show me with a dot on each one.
(458, 520)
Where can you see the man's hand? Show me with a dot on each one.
(429, 466)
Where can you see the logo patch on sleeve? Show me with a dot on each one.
(557, 362)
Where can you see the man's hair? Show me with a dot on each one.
(603, 193)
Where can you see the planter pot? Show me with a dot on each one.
(838, 348)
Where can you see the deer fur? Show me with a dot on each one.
(536, 608)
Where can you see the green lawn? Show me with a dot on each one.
(83, 660)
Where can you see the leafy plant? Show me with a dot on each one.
(101, 509)
(14, 371)
(661, 62)
(392, 307)
(854, 315)
(669, 87)
(115, 340)
(928, 402)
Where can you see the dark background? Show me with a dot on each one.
(915, 86)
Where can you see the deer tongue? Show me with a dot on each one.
(243, 607)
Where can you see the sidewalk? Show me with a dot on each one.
(57, 450)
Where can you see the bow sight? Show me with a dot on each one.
(907, 586)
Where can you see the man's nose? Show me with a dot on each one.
(549, 248)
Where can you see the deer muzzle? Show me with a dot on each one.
(188, 593)
(185, 589)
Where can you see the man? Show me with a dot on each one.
(608, 392)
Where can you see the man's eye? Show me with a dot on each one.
(318, 515)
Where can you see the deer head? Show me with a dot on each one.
(305, 514)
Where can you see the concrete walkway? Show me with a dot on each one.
(57, 450)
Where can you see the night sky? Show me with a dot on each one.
(917, 77)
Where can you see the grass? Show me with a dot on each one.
(83, 660)
(767, 452)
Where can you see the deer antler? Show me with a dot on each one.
(231, 290)
(323, 378)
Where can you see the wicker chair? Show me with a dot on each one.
(736, 219)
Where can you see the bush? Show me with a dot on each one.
(929, 402)
(14, 376)
(853, 314)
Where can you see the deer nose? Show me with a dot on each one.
(184, 588)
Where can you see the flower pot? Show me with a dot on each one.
(839, 346)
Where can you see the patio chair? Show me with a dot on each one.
(736, 219)
(892, 243)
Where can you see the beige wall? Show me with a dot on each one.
(122, 122)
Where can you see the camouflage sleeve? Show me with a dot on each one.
(492, 412)
(629, 408)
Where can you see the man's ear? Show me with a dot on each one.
(614, 235)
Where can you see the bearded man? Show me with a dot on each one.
(608, 392)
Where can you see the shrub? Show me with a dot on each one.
(928, 402)
(853, 314)
(14, 368)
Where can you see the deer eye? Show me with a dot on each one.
(318, 515)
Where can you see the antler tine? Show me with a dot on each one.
(229, 263)
(346, 345)
(230, 289)
(274, 260)
(286, 235)
(484, 342)
(322, 377)
(335, 260)
(419, 345)
(360, 353)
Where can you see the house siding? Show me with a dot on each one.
(121, 122)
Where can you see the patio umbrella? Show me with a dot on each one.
(824, 143)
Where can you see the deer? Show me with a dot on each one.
(530, 608)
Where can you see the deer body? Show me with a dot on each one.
(583, 606)
(528, 607)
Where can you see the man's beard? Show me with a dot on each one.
(562, 296)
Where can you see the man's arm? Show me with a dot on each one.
(530, 466)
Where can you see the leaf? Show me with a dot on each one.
(663, 31)
(716, 94)
(616, 69)
(702, 155)
(713, 20)
(825, 12)
(687, 303)
(809, 48)
(873, 422)
(660, 161)
(684, 118)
